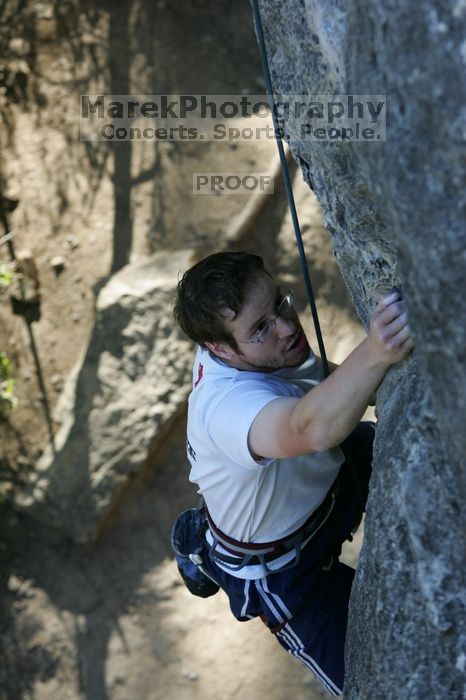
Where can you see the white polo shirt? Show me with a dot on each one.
(248, 500)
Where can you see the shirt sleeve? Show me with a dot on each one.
(232, 418)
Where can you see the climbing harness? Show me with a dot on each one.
(241, 554)
(195, 536)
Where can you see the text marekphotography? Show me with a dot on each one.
(232, 118)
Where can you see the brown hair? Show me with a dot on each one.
(214, 284)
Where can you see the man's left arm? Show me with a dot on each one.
(332, 366)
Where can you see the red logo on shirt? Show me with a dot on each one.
(199, 374)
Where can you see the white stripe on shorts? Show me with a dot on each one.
(246, 599)
(297, 649)
(276, 598)
(268, 601)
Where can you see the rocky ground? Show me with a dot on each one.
(111, 619)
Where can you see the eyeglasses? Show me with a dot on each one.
(283, 304)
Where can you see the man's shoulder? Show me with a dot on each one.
(214, 382)
(213, 379)
(208, 368)
(212, 367)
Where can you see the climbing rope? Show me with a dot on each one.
(288, 187)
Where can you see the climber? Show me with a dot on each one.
(264, 433)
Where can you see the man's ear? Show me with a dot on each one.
(221, 350)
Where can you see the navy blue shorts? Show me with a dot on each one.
(306, 607)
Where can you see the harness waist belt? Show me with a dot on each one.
(267, 551)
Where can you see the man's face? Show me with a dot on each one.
(287, 346)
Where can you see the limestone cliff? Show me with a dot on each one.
(396, 211)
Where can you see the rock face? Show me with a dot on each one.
(132, 382)
(396, 212)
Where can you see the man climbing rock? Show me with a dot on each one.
(264, 435)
